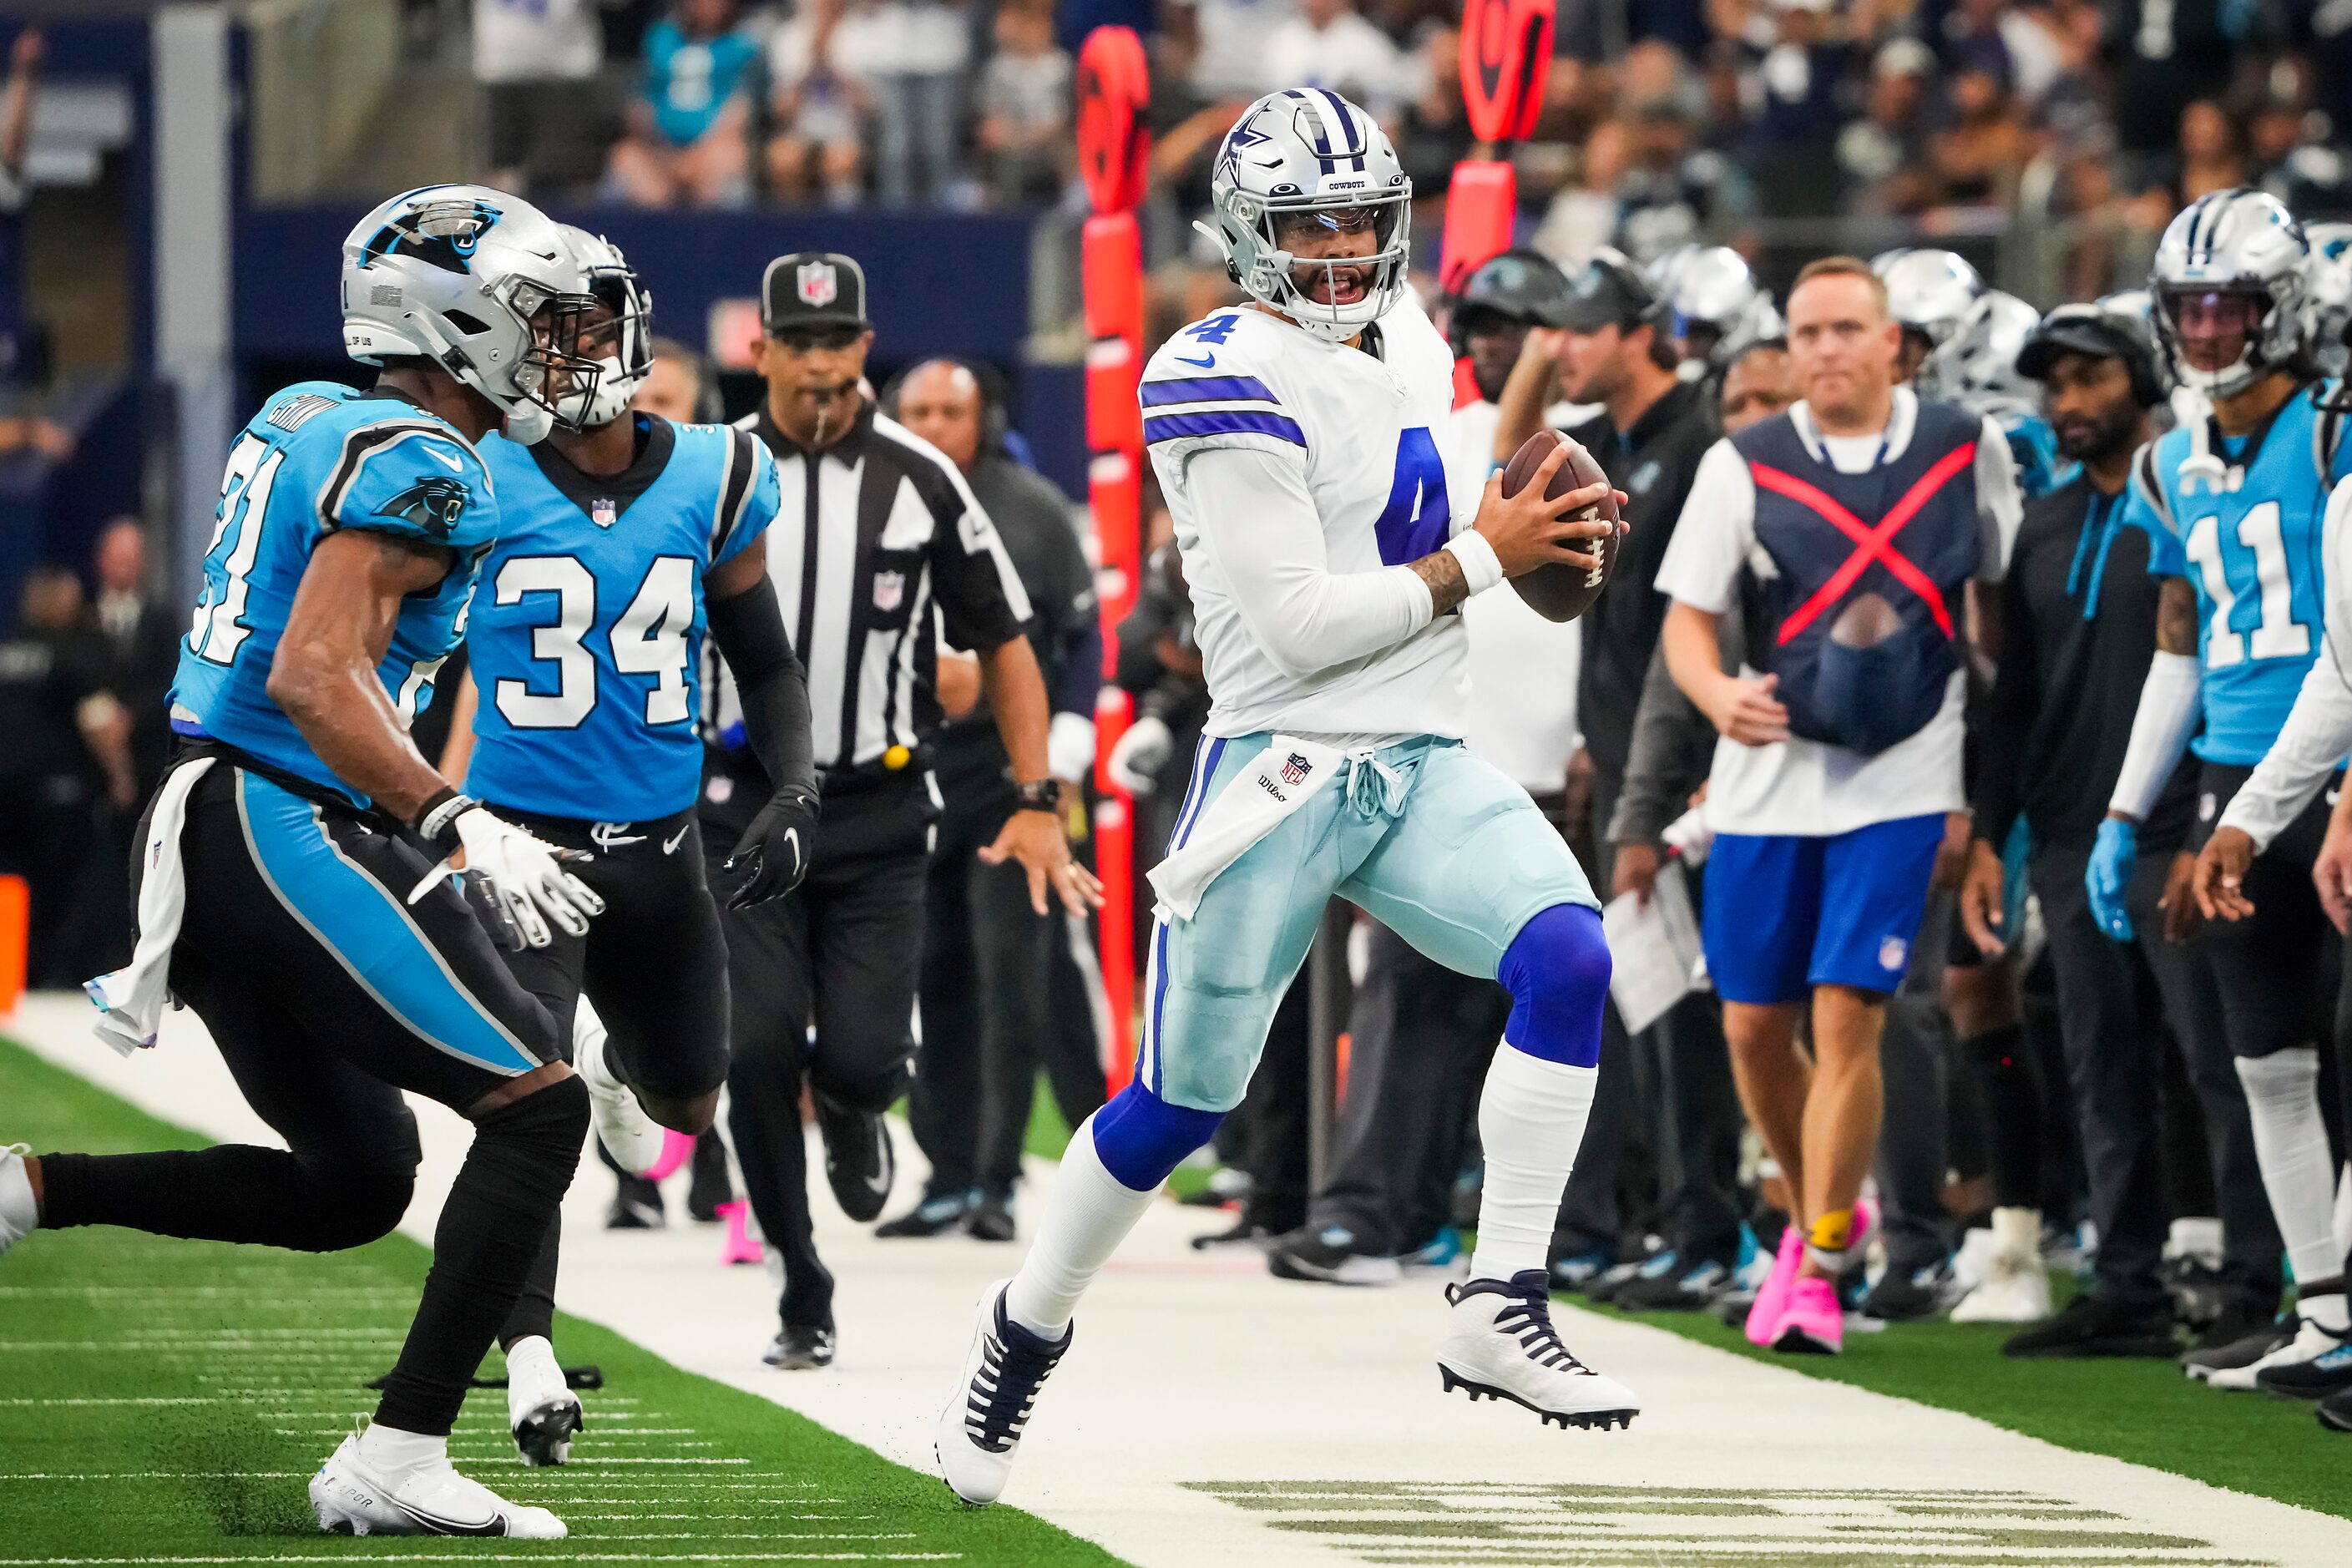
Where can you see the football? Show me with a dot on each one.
(1561, 592)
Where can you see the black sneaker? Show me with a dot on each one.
(2237, 1320)
(858, 1159)
(637, 1206)
(2335, 1412)
(1676, 1289)
(1244, 1231)
(1576, 1271)
(1909, 1295)
(1330, 1255)
(1605, 1288)
(708, 1187)
(990, 1220)
(801, 1347)
(2328, 1373)
(2095, 1326)
(935, 1215)
(2245, 1350)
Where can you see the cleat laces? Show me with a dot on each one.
(1528, 1320)
(1014, 1364)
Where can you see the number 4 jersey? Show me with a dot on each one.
(587, 627)
(316, 458)
(2241, 518)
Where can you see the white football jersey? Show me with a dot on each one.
(1366, 432)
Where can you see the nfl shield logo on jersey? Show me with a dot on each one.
(818, 284)
(890, 589)
(1295, 770)
(601, 512)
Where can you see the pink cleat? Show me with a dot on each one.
(1772, 1296)
(1813, 1323)
(678, 1148)
(740, 1245)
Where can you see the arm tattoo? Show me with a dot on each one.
(2176, 617)
(1447, 586)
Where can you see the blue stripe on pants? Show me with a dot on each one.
(1209, 754)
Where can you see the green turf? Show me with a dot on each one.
(2143, 1411)
(163, 1399)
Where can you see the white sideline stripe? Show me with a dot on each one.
(508, 1557)
(190, 1399)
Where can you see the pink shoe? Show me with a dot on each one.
(678, 1148)
(740, 1245)
(1813, 1323)
(1772, 1296)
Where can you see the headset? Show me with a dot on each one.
(995, 418)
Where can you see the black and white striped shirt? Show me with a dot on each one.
(878, 537)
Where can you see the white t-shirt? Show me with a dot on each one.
(1350, 57)
(1232, 62)
(536, 40)
(1808, 788)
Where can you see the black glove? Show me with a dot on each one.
(773, 856)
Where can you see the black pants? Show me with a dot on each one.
(1420, 1037)
(1915, 1058)
(823, 984)
(2276, 969)
(47, 827)
(992, 1009)
(2115, 1000)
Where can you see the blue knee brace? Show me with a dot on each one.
(1557, 971)
(1140, 1137)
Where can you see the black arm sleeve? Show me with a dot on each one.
(1998, 791)
(749, 630)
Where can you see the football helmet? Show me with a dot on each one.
(2230, 287)
(1716, 306)
(614, 285)
(482, 283)
(2327, 294)
(1976, 364)
(1928, 291)
(1298, 159)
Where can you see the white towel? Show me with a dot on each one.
(1286, 776)
(131, 1001)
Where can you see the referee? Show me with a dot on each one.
(878, 538)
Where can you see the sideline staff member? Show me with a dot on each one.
(876, 529)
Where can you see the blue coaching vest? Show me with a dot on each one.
(1906, 532)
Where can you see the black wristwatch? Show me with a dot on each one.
(1040, 795)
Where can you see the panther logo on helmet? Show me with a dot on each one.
(435, 502)
(439, 234)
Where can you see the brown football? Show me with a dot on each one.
(1560, 593)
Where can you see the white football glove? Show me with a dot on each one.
(524, 874)
(1142, 753)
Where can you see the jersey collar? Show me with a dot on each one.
(610, 494)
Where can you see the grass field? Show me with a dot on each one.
(166, 1401)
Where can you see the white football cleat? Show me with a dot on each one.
(2016, 1286)
(634, 1138)
(351, 1499)
(1500, 1343)
(19, 1214)
(980, 1428)
(2310, 1343)
(541, 1410)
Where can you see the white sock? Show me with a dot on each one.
(1088, 1214)
(1530, 1122)
(2328, 1312)
(532, 1353)
(396, 1455)
(2291, 1145)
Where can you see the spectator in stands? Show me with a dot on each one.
(2210, 158)
(1978, 157)
(919, 52)
(536, 60)
(1024, 106)
(2314, 179)
(16, 135)
(682, 384)
(1327, 43)
(140, 639)
(820, 102)
(1224, 46)
(1433, 131)
(687, 141)
(1671, 195)
(1583, 217)
(1883, 155)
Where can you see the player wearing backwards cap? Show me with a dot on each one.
(1294, 439)
(297, 831)
(2237, 502)
(625, 537)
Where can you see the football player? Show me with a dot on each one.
(1294, 438)
(624, 537)
(2237, 502)
(1977, 368)
(288, 886)
(1928, 291)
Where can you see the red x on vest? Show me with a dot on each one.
(1869, 543)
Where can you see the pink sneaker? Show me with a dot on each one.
(1772, 1296)
(678, 1148)
(1813, 1323)
(740, 1245)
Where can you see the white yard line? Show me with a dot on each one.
(1210, 1413)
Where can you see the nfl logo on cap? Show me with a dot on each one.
(601, 512)
(819, 284)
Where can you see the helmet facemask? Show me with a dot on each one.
(615, 335)
(2217, 335)
(1356, 247)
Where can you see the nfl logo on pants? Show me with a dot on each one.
(1294, 770)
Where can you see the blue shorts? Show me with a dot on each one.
(1786, 913)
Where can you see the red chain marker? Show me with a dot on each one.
(1506, 55)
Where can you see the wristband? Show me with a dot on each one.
(438, 824)
(1481, 567)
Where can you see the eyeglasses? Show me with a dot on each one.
(813, 339)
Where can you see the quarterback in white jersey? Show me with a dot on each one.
(1294, 439)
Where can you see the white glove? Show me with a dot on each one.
(1070, 747)
(524, 874)
(1142, 753)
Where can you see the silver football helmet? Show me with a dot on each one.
(1301, 161)
(2228, 282)
(616, 287)
(1718, 307)
(2327, 294)
(482, 283)
(1928, 291)
(1977, 365)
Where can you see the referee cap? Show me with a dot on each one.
(812, 289)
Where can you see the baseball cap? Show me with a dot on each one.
(812, 289)
(1604, 292)
(2099, 332)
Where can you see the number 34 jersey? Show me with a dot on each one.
(321, 457)
(2241, 518)
(1362, 424)
(587, 626)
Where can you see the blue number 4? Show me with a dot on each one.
(1417, 521)
(1216, 330)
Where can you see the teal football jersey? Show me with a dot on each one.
(2244, 527)
(318, 457)
(587, 628)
